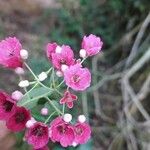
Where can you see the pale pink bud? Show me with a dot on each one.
(44, 111)
(17, 95)
(81, 118)
(19, 71)
(82, 53)
(58, 49)
(74, 144)
(30, 123)
(64, 67)
(67, 117)
(59, 73)
(24, 54)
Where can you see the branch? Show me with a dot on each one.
(137, 41)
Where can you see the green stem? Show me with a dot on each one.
(50, 101)
(53, 79)
(35, 98)
(60, 84)
(46, 121)
(83, 60)
(63, 109)
(35, 76)
(58, 92)
(25, 89)
(27, 92)
(47, 72)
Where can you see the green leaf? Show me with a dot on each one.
(34, 95)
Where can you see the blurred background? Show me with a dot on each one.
(118, 102)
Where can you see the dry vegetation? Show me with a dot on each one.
(120, 114)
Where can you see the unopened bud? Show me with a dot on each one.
(67, 117)
(24, 83)
(42, 76)
(81, 118)
(82, 53)
(19, 71)
(24, 54)
(44, 111)
(17, 95)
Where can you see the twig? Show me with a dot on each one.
(104, 80)
(138, 65)
(138, 40)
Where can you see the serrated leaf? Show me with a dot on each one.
(34, 95)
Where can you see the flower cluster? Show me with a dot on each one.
(16, 117)
(67, 134)
(75, 76)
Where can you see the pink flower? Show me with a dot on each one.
(7, 106)
(68, 98)
(50, 48)
(77, 78)
(43, 148)
(10, 53)
(62, 132)
(92, 44)
(82, 133)
(37, 135)
(63, 57)
(18, 120)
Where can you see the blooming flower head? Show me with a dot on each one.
(7, 106)
(37, 135)
(64, 57)
(43, 148)
(50, 48)
(77, 78)
(68, 99)
(18, 120)
(82, 133)
(62, 132)
(10, 53)
(92, 44)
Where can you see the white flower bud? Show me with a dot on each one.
(44, 111)
(17, 95)
(24, 54)
(42, 76)
(82, 53)
(81, 118)
(58, 49)
(74, 144)
(59, 73)
(24, 83)
(30, 123)
(19, 71)
(64, 67)
(67, 117)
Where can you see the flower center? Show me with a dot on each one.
(39, 131)
(19, 117)
(62, 61)
(78, 131)
(61, 129)
(69, 98)
(76, 78)
(11, 53)
(8, 106)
